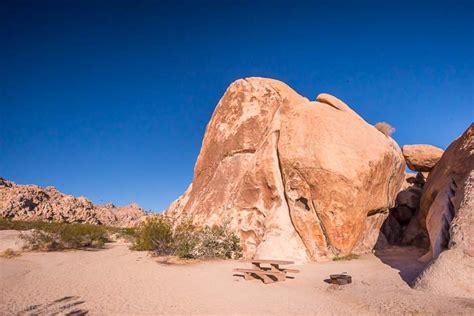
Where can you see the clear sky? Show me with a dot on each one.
(110, 99)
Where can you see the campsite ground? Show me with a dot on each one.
(117, 281)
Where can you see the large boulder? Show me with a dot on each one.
(445, 190)
(447, 213)
(296, 179)
(32, 202)
(421, 158)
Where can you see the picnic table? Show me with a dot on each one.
(268, 274)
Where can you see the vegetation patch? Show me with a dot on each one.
(60, 236)
(9, 253)
(8, 224)
(158, 235)
(346, 257)
(186, 240)
(53, 236)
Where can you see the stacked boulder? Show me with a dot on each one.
(421, 158)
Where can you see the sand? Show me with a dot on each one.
(117, 281)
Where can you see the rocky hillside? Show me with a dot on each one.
(32, 202)
(297, 179)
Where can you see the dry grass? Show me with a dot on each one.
(9, 253)
(385, 128)
(346, 257)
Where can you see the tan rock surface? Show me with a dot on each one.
(453, 270)
(446, 189)
(447, 212)
(296, 179)
(421, 158)
(32, 202)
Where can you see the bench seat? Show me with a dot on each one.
(263, 274)
(290, 270)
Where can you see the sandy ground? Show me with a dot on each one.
(117, 281)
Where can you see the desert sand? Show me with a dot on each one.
(117, 281)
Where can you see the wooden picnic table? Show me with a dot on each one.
(267, 274)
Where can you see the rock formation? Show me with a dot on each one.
(402, 226)
(421, 158)
(445, 190)
(296, 179)
(31, 202)
(447, 213)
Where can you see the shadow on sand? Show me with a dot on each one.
(404, 259)
(67, 305)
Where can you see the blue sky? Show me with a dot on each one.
(110, 99)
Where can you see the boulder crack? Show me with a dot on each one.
(280, 170)
(321, 224)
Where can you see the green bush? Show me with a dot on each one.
(217, 242)
(7, 224)
(75, 236)
(59, 236)
(155, 234)
(186, 240)
(39, 240)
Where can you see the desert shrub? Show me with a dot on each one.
(39, 240)
(385, 128)
(155, 234)
(60, 236)
(191, 241)
(128, 231)
(186, 240)
(217, 242)
(76, 236)
(9, 253)
(8, 224)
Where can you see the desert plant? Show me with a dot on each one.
(218, 242)
(154, 234)
(9, 253)
(191, 241)
(60, 236)
(39, 240)
(186, 240)
(76, 236)
(385, 128)
(8, 224)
